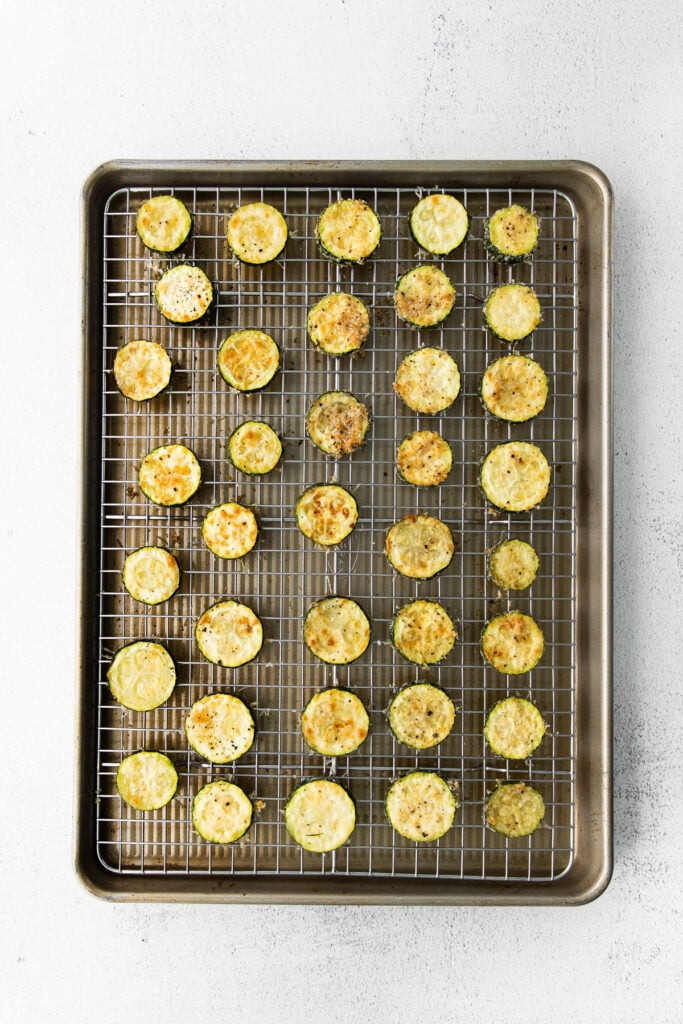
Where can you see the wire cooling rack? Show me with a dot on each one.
(286, 573)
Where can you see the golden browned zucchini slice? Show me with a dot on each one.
(142, 675)
(428, 380)
(334, 722)
(320, 815)
(163, 223)
(339, 323)
(421, 806)
(221, 812)
(515, 809)
(230, 530)
(419, 546)
(424, 296)
(326, 513)
(514, 388)
(337, 423)
(336, 630)
(423, 632)
(151, 575)
(183, 294)
(512, 643)
(169, 475)
(142, 369)
(248, 360)
(421, 716)
(348, 231)
(514, 728)
(254, 448)
(229, 633)
(424, 458)
(513, 565)
(511, 234)
(512, 312)
(515, 476)
(439, 223)
(147, 780)
(257, 233)
(220, 728)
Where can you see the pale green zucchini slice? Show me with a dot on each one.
(142, 370)
(512, 312)
(220, 728)
(421, 806)
(254, 448)
(439, 223)
(336, 630)
(221, 812)
(338, 324)
(230, 530)
(163, 223)
(514, 388)
(335, 722)
(419, 546)
(257, 233)
(424, 458)
(248, 360)
(229, 633)
(428, 380)
(513, 565)
(320, 815)
(348, 231)
(514, 728)
(512, 643)
(515, 476)
(423, 632)
(142, 675)
(169, 475)
(424, 296)
(147, 780)
(151, 575)
(515, 809)
(511, 234)
(183, 294)
(421, 716)
(326, 514)
(337, 423)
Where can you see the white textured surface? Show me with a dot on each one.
(83, 82)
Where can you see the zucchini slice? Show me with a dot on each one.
(229, 633)
(163, 223)
(151, 575)
(221, 812)
(513, 565)
(421, 806)
(254, 448)
(337, 423)
(515, 476)
(514, 388)
(423, 632)
(183, 294)
(248, 360)
(439, 223)
(419, 546)
(428, 380)
(424, 458)
(257, 233)
(348, 231)
(220, 728)
(142, 369)
(421, 716)
(514, 728)
(512, 312)
(320, 815)
(326, 514)
(511, 234)
(169, 475)
(336, 630)
(339, 323)
(512, 643)
(514, 809)
(142, 675)
(230, 530)
(334, 722)
(147, 780)
(424, 296)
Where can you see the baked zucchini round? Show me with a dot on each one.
(320, 815)
(511, 234)
(423, 632)
(220, 728)
(142, 675)
(514, 809)
(348, 231)
(334, 723)
(512, 643)
(147, 780)
(254, 448)
(339, 323)
(419, 546)
(257, 233)
(221, 812)
(169, 475)
(337, 423)
(512, 312)
(421, 716)
(514, 728)
(248, 360)
(515, 476)
(424, 458)
(421, 806)
(326, 514)
(336, 630)
(513, 565)
(183, 294)
(428, 380)
(142, 369)
(424, 296)
(514, 388)
(163, 223)
(439, 223)
(230, 530)
(151, 575)
(229, 633)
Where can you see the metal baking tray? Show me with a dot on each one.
(122, 854)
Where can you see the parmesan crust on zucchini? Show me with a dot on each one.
(421, 716)
(511, 234)
(421, 806)
(514, 388)
(147, 780)
(257, 233)
(338, 324)
(183, 294)
(320, 815)
(424, 458)
(220, 728)
(254, 448)
(230, 530)
(163, 223)
(515, 476)
(169, 475)
(512, 643)
(424, 296)
(336, 630)
(512, 312)
(326, 514)
(151, 575)
(337, 423)
(419, 546)
(142, 675)
(142, 370)
(348, 231)
(221, 812)
(334, 723)
(428, 380)
(248, 360)
(514, 728)
(229, 633)
(513, 565)
(439, 223)
(423, 632)
(515, 809)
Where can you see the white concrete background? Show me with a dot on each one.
(82, 82)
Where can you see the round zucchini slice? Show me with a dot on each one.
(511, 234)
(421, 806)
(326, 514)
(428, 380)
(142, 369)
(513, 565)
(348, 231)
(512, 643)
(423, 632)
(170, 475)
(514, 728)
(339, 323)
(220, 728)
(320, 815)
(424, 458)
(419, 546)
(254, 448)
(424, 296)
(257, 233)
(147, 780)
(142, 675)
(337, 423)
(512, 312)
(439, 223)
(183, 294)
(336, 630)
(163, 223)
(248, 360)
(229, 633)
(514, 809)
(151, 575)
(221, 812)
(335, 723)
(515, 476)
(514, 389)
(421, 716)
(230, 530)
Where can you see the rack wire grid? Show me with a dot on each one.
(286, 573)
